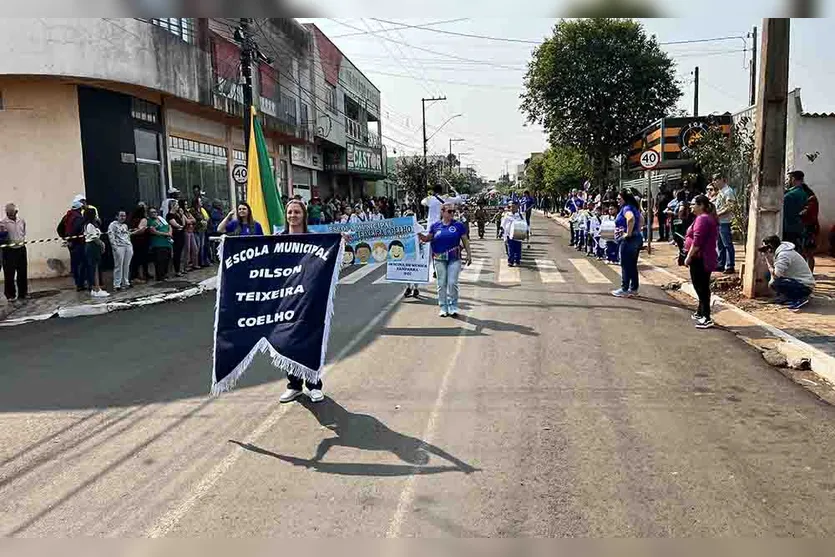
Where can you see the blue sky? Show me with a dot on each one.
(487, 94)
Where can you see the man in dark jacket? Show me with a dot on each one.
(71, 228)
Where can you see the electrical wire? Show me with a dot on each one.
(466, 35)
(403, 26)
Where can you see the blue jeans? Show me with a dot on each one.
(725, 245)
(612, 251)
(514, 251)
(629, 249)
(791, 289)
(448, 272)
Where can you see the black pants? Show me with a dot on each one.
(179, 244)
(162, 258)
(15, 272)
(140, 258)
(663, 233)
(701, 284)
(295, 383)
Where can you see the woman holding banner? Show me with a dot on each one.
(296, 218)
(446, 237)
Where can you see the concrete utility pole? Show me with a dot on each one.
(766, 211)
(423, 110)
(248, 49)
(696, 91)
(753, 87)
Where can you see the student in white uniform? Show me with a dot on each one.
(435, 201)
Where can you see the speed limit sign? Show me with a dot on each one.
(650, 159)
(239, 174)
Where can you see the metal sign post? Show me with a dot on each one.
(649, 212)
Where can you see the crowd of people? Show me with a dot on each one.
(613, 227)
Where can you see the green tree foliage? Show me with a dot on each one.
(597, 82)
(717, 153)
(557, 171)
(411, 175)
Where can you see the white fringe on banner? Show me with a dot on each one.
(278, 360)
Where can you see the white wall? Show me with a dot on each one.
(811, 135)
(41, 166)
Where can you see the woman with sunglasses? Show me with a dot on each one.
(446, 238)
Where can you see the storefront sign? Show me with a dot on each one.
(306, 156)
(364, 159)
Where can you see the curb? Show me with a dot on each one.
(822, 364)
(86, 310)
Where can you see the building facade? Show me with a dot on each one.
(347, 122)
(121, 110)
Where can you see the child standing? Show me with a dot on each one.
(607, 234)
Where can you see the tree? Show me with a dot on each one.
(732, 155)
(597, 82)
(409, 175)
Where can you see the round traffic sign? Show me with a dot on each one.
(239, 174)
(650, 159)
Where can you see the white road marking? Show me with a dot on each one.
(508, 274)
(471, 273)
(548, 272)
(589, 272)
(170, 520)
(407, 496)
(358, 275)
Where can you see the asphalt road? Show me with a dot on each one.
(549, 408)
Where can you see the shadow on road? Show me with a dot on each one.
(367, 433)
(479, 324)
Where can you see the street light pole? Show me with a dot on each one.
(423, 110)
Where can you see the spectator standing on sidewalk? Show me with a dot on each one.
(662, 201)
(190, 255)
(14, 255)
(628, 228)
(177, 220)
(811, 225)
(71, 228)
(794, 201)
(724, 203)
(139, 238)
(791, 277)
(201, 228)
(702, 259)
(94, 249)
(160, 243)
(120, 242)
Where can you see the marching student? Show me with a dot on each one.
(514, 246)
(593, 231)
(607, 234)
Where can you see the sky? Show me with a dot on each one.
(482, 79)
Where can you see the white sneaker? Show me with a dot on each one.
(316, 395)
(289, 395)
(443, 313)
(621, 293)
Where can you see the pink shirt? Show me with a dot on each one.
(703, 233)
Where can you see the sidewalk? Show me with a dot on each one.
(803, 339)
(58, 297)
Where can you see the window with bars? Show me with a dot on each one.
(144, 110)
(182, 27)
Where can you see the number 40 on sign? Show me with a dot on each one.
(650, 159)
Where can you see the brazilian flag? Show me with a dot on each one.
(261, 191)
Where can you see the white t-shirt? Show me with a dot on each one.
(435, 205)
(354, 218)
(91, 232)
(377, 216)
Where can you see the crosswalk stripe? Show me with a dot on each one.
(508, 274)
(589, 272)
(381, 280)
(471, 273)
(548, 272)
(357, 275)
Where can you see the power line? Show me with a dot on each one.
(467, 35)
(437, 53)
(403, 26)
(464, 83)
(690, 41)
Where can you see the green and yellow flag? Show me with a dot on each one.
(261, 191)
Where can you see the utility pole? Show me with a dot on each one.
(766, 210)
(752, 89)
(696, 92)
(248, 48)
(423, 110)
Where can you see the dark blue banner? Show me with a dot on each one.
(274, 294)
